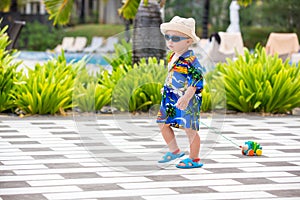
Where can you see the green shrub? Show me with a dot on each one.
(89, 95)
(8, 73)
(261, 83)
(47, 89)
(140, 88)
(39, 37)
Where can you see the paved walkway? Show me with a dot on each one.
(100, 158)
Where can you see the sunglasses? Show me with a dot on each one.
(175, 38)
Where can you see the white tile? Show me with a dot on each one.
(30, 178)
(108, 193)
(256, 187)
(271, 169)
(219, 196)
(286, 179)
(38, 190)
(88, 181)
(239, 175)
(191, 183)
(21, 167)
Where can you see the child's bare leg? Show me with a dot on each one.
(194, 140)
(169, 137)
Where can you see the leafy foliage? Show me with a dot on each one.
(261, 83)
(34, 34)
(140, 88)
(59, 10)
(89, 95)
(47, 89)
(8, 73)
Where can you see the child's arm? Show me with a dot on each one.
(183, 101)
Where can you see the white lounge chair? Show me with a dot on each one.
(79, 44)
(66, 44)
(231, 43)
(284, 44)
(109, 45)
(96, 43)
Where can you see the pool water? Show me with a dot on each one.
(95, 59)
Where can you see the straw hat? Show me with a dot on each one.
(183, 25)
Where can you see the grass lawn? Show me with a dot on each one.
(90, 30)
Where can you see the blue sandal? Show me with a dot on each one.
(189, 164)
(170, 156)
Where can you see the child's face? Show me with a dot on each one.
(173, 44)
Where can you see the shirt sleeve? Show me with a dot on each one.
(195, 75)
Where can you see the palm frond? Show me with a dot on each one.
(59, 10)
(129, 9)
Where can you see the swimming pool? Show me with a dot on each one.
(95, 59)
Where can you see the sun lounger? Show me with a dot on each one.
(96, 43)
(109, 45)
(66, 44)
(79, 44)
(231, 43)
(284, 44)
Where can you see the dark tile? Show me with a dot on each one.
(229, 132)
(139, 140)
(52, 127)
(63, 133)
(261, 129)
(6, 173)
(238, 125)
(167, 178)
(24, 197)
(63, 165)
(153, 146)
(98, 144)
(15, 136)
(290, 150)
(79, 175)
(249, 181)
(108, 129)
(285, 193)
(297, 173)
(35, 149)
(42, 123)
(123, 198)
(224, 148)
(292, 126)
(143, 168)
(9, 131)
(191, 190)
(14, 184)
(125, 158)
(223, 170)
(96, 124)
(274, 122)
(4, 126)
(99, 187)
(25, 142)
(277, 163)
(71, 138)
(283, 134)
(40, 157)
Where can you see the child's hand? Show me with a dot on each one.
(183, 101)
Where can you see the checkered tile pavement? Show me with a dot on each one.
(116, 158)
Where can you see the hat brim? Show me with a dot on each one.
(169, 26)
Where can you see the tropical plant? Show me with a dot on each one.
(8, 73)
(48, 88)
(140, 88)
(260, 83)
(89, 95)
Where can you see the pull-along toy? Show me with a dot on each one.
(250, 148)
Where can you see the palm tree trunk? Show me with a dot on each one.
(147, 38)
(205, 19)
